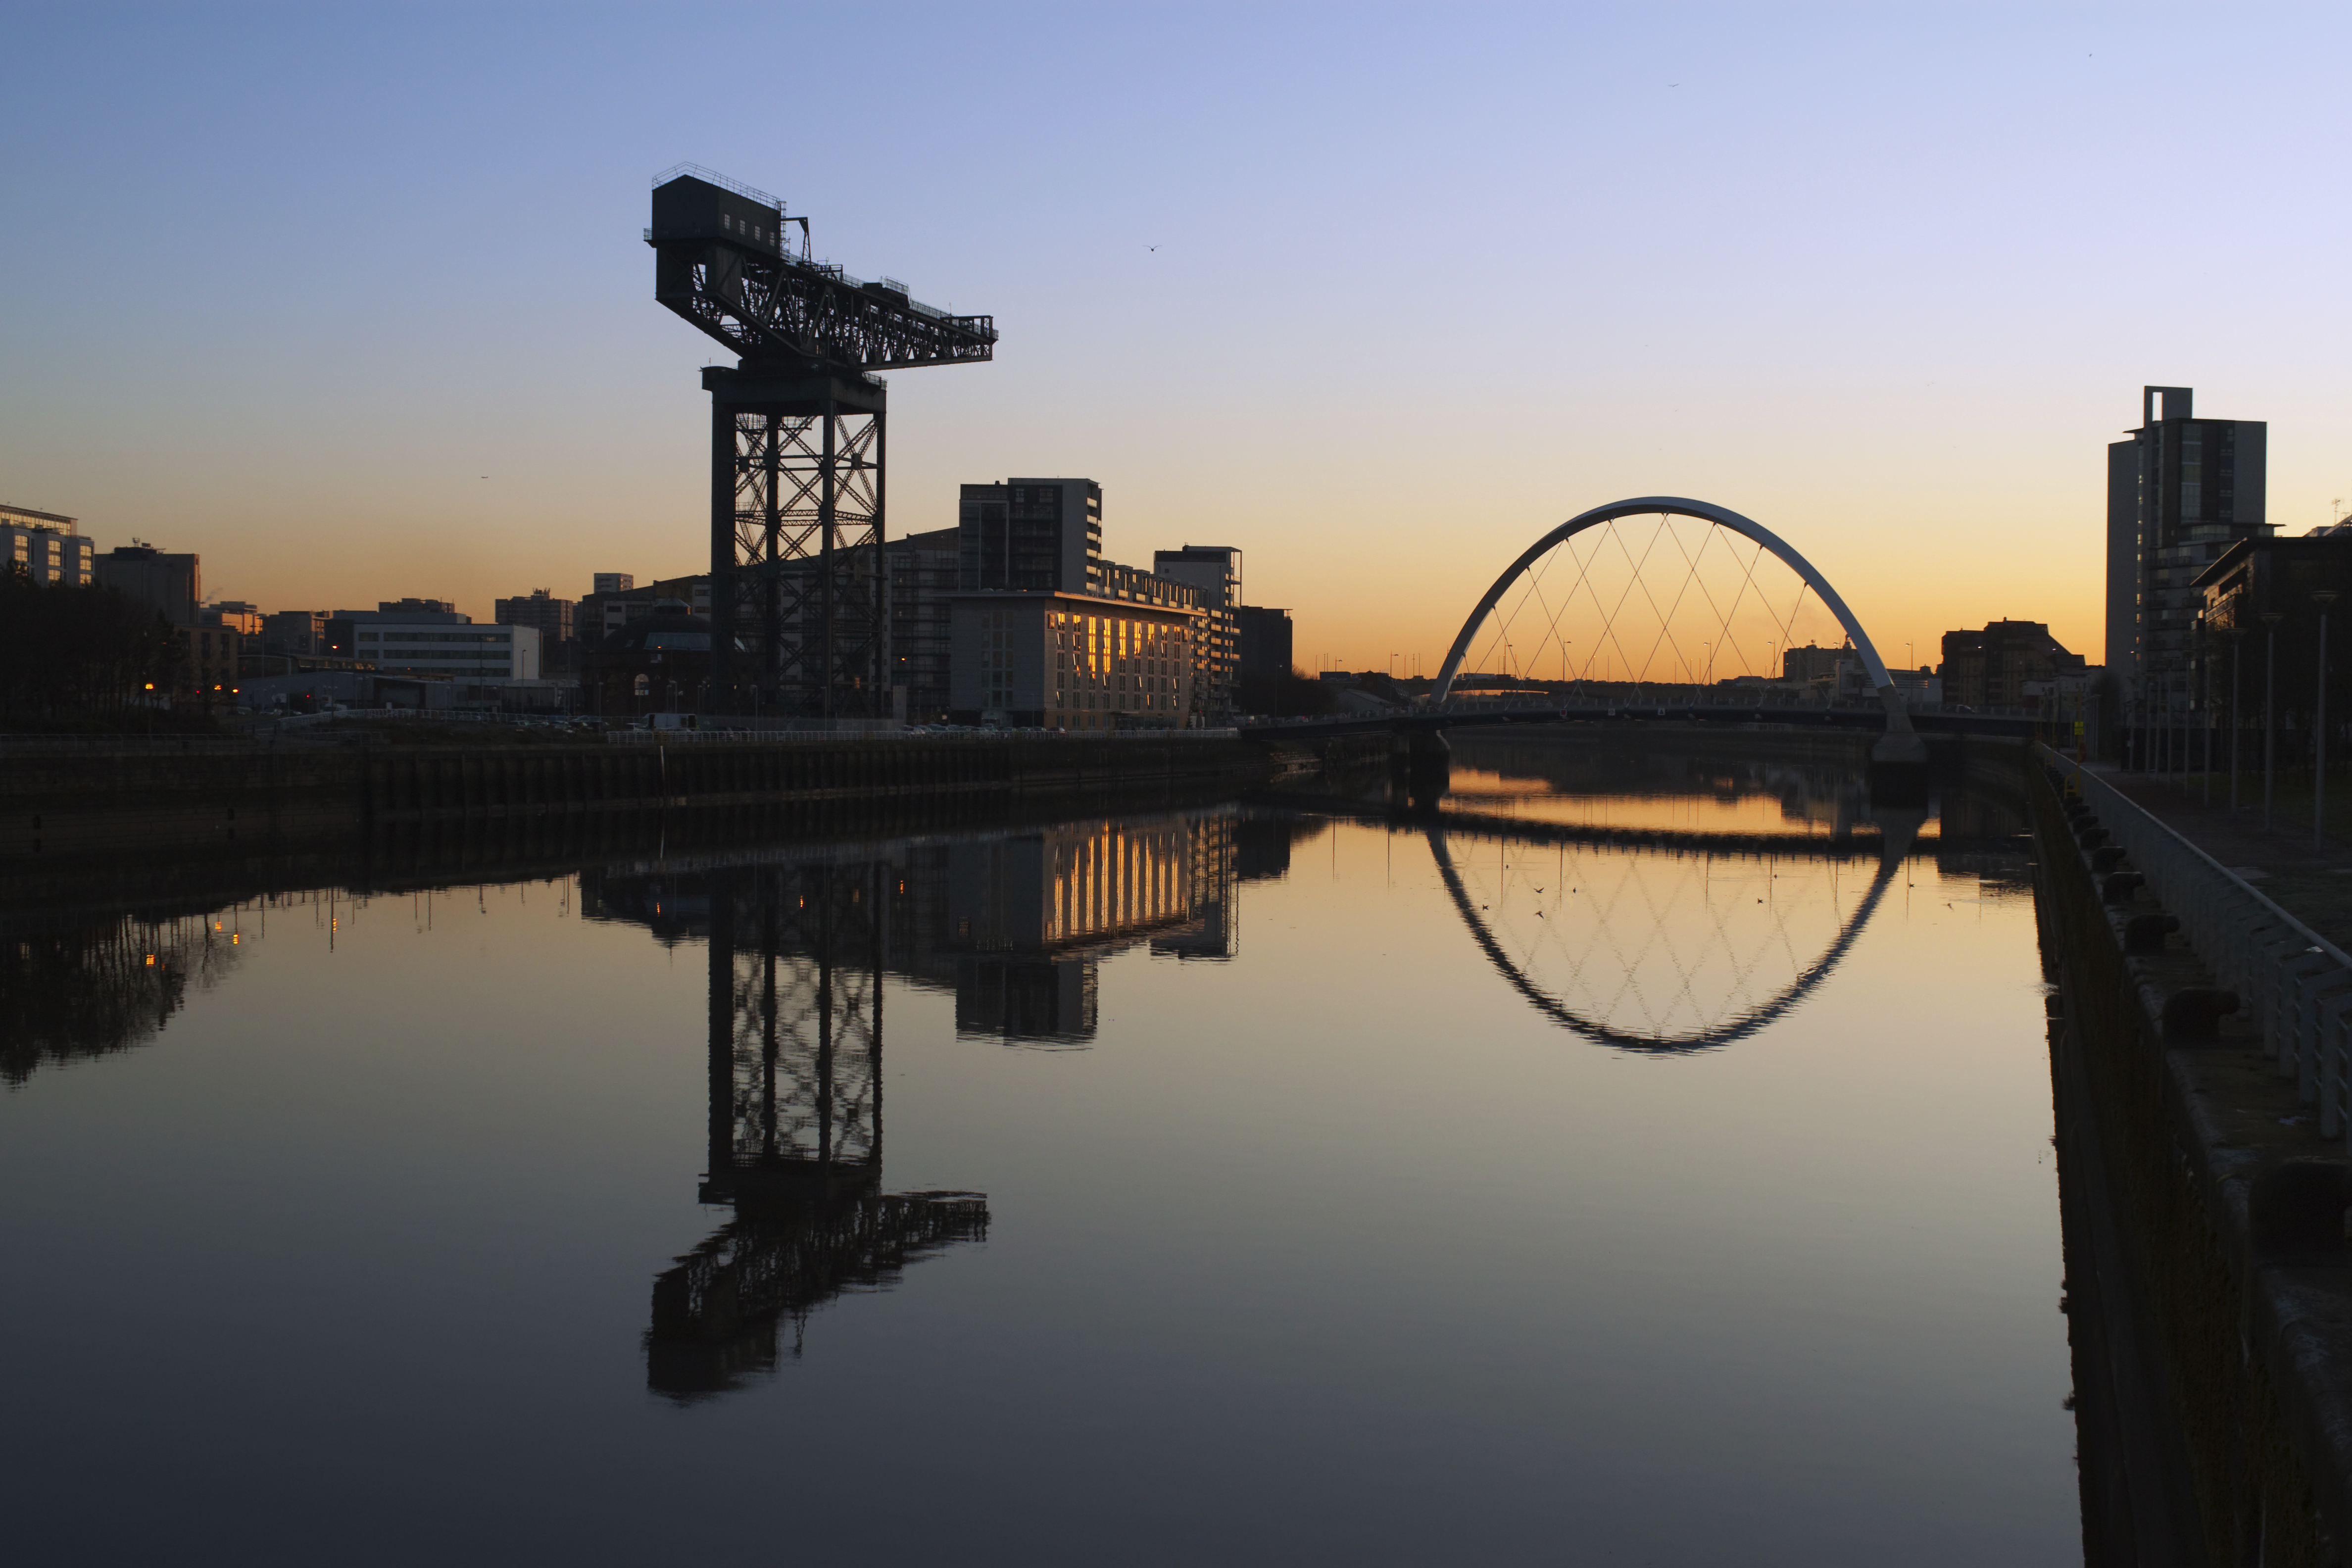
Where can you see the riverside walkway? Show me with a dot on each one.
(2313, 885)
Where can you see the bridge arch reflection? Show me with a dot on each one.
(1579, 934)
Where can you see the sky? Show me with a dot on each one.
(353, 301)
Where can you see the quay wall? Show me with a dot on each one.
(72, 799)
(2234, 1222)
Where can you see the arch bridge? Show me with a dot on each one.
(1891, 720)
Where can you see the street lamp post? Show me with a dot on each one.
(2323, 598)
(2165, 725)
(2205, 663)
(2270, 619)
(2237, 722)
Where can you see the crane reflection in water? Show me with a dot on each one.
(800, 942)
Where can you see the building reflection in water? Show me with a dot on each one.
(1029, 917)
(800, 941)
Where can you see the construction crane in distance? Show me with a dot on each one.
(800, 605)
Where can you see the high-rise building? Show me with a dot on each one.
(1267, 644)
(173, 583)
(1044, 537)
(614, 582)
(1216, 570)
(1035, 536)
(46, 545)
(2181, 490)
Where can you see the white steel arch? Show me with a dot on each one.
(1898, 718)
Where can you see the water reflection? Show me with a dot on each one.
(1658, 949)
(799, 944)
(1177, 1233)
(1655, 896)
(1757, 783)
(75, 987)
(1030, 917)
(797, 950)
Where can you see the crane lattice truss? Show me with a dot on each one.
(800, 604)
(797, 955)
(811, 599)
(796, 958)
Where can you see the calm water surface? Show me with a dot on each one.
(1632, 1165)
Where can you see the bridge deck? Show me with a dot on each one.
(1868, 721)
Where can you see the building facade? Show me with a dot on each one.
(1995, 668)
(1032, 536)
(1070, 661)
(1214, 572)
(2181, 490)
(48, 546)
(1811, 663)
(238, 616)
(399, 638)
(658, 663)
(461, 652)
(607, 610)
(548, 616)
(174, 583)
(2238, 647)
(925, 571)
(295, 634)
(1266, 643)
(207, 668)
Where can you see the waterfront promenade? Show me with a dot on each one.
(2313, 885)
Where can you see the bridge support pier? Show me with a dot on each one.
(1420, 767)
(1898, 759)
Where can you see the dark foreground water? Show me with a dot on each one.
(1633, 1166)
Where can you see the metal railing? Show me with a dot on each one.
(825, 737)
(2296, 982)
(125, 745)
(713, 177)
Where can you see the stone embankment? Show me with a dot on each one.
(2233, 1211)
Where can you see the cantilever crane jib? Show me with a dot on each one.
(800, 606)
(724, 262)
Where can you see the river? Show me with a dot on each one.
(1645, 1158)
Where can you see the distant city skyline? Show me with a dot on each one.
(354, 304)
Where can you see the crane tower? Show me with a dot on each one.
(800, 604)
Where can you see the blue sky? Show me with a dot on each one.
(282, 284)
